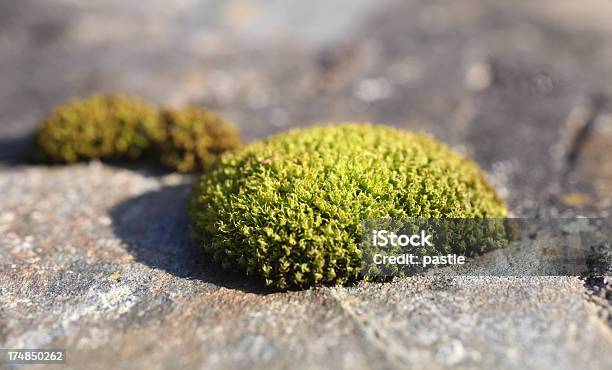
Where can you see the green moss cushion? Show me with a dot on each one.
(101, 126)
(289, 209)
(194, 138)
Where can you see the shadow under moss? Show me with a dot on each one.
(154, 226)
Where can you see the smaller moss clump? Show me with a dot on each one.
(194, 138)
(100, 126)
(120, 127)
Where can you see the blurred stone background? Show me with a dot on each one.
(97, 258)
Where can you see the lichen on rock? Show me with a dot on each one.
(288, 209)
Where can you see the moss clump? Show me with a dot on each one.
(289, 209)
(101, 126)
(194, 138)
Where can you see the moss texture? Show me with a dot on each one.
(120, 127)
(289, 209)
(194, 138)
(100, 126)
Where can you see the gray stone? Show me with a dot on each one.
(96, 258)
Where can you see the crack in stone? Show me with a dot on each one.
(581, 131)
(393, 353)
(597, 281)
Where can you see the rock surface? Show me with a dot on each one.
(96, 258)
